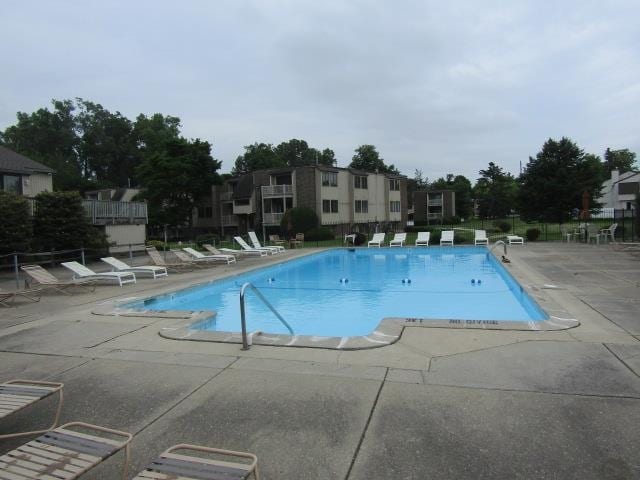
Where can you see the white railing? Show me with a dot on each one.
(277, 190)
(229, 220)
(435, 203)
(103, 212)
(272, 218)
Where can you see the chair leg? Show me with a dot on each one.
(56, 419)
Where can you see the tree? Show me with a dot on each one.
(256, 157)
(368, 159)
(553, 183)
(60, 222)
(463, 190)
(299, 220)
(49, 137)
(621, 160)
(495, 192)
(107, 150)
(15, 227)
(421, 182)
(176, 178)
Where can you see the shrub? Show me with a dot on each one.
(360, 239)
(15, 227)
(60, 222)
(159, 244)
(451, 220)
(503, 226)
(319, 234)
(532, 234)
(299, 220)
(434, 238)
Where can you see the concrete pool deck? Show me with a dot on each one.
(439, 403)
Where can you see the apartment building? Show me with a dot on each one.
(23, 176)
(433, 205)
(344, 200)
(619, 192)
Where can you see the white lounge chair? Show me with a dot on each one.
(515, 239)
(423, 239)
(256, 243)
(245, 246)
(194, 262)
(446, 238)
(120, 266)
(480, 237)
(377, 240)
(239, 253)
(198, 256)
(398, 240)
(45, 279)
(80, 271)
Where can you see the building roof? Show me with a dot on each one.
(12, 162)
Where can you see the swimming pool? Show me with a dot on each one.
(347, 292)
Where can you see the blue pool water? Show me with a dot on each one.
(313, 297)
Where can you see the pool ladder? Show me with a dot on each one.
(243, 319)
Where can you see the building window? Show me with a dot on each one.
(11, 183)
(394, 206)
(329, 179)
(329, 206)
(394, 184)
(362, 206)
(360, 182)
(205, 212)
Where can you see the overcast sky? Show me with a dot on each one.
(445, 87)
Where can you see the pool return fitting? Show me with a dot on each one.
(246, 344)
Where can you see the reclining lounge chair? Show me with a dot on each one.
(80, 271)
(45, 279)
(170, 266)
(423, 239)
(32, 294)
(398, 240)
(120, 266)
(256, 243)
(201, 257)
(245, 246)
(376, 241)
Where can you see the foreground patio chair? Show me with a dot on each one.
(515, 239)
(245, 246)
(65, 453)
(197, 256)
(593, 233)
(120, 266)
(609, 233)
(31, 294)
(256, 243)
(376, 241)
(398, 240)
(480, 237)
(170, 465)
(18, 394)
(565, 234)
(45, 279)
(176, 267)
(80, 271)
(423, 239)
(446, 238)
(297, 241)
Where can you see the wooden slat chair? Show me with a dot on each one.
(170, 465)
(45, 279)
(177, 267)
(64, 453)
(18, 394)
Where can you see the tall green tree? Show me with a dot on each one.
(421, 181)
(553, 182)
(15, 227)
(176, 178)
(463, 189)
(622, 160)
(496, 192)
(49, 137)
(257, 157)
(368, 159)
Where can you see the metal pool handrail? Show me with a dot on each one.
(243, 321)
(504, 245)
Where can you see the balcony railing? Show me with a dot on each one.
(229, 220)
(272, 218)
(103, 212)
(435, 202)
(277, 190)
